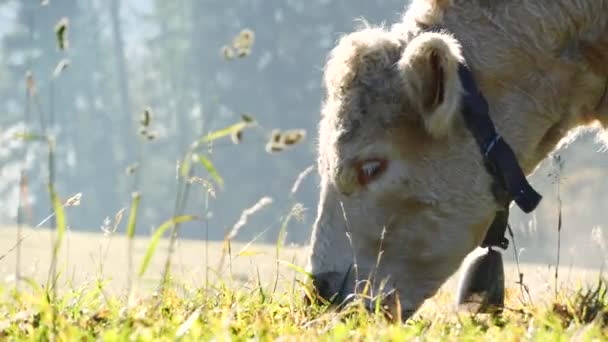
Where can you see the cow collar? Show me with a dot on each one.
(497, 154)
(510, 183)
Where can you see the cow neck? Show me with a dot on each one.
(509, 182)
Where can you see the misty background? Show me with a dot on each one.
(172, 58)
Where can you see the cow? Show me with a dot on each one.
(405, 189)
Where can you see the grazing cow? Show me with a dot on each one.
(406, 193)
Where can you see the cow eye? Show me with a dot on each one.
(370, 169)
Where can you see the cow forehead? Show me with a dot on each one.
(360, 58)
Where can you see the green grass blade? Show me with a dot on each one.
(160, 231)
(30, 137)
(295, 268)
(184, 166)
(260, 287)
(211, 169)
(133, 215)
(282, 233)
(59, 219)
(33, 284)
(224, 132)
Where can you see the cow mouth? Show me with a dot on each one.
(331, 286)
(333, 289)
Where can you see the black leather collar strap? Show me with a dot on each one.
(510, 183)
(495, 236)
(498, 155)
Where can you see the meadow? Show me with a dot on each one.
(256, 294)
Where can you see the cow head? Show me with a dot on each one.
(404, 195)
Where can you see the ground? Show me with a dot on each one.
(246, 305)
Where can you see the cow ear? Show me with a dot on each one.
(429, 70)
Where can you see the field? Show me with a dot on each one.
(246, 300)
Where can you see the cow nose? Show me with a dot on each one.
(323, 285)
(328, 287)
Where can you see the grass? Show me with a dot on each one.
(244, 304)
(251, 312)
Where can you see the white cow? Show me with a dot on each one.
(401, 171)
